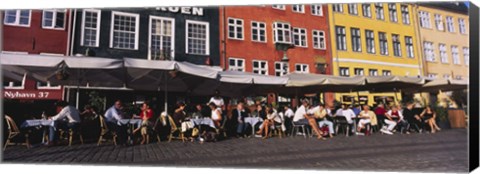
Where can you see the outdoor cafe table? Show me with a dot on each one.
(38, 123)
(253, 121)
(136, 122)
(203, 121)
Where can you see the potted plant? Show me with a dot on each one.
(442, 117)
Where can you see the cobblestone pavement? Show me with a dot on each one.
(445, 151)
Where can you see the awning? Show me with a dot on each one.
(390, 83)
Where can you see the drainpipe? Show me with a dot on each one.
(73, 29)
(1, 31)
(69, 31)
(224, 38)
(421, 62)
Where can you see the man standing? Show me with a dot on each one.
(67, 118)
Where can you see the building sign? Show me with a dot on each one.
(33, 94)
(183, 10)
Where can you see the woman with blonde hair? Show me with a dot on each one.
(428, 115)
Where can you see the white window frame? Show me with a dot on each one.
(298, 8)
(405, 14)
(11, 83)
(207, 39)
(82, 37)
(432, 75)
(392, 12)
(17, 18)
(442, 48)
(429, 51)
(279, 7)
(446, 76)
(289, 30)
(54, 19)
(439, 22)
(386, 72)
(450, 24)
(409, 47)
(383, 43)
(458, 77)
(137, 28)
(236, 67)
(424, 19)
(317, 10)
(462, 27)
(367, 10)
(172, 40)
(236, 26)
(48, 86)
(343, 37)
(455, 55)
(359, 71)
(320, 38)
(337, 8)
(379, 11)
(344, 71)
(353, 9)
(297, 32)
(396, 45)
(260, 69)
(304, 68)
(282, 71)
(356, 38)
(369, 33)
(258, 28)
(372, 72)
(466, 55)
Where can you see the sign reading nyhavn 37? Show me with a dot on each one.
(197, 11)
(33, 94)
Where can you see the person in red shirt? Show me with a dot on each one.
(380, 113)
(145, 115)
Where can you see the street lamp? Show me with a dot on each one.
(284, 47)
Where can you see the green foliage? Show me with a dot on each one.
(96, 101)
(441, 112)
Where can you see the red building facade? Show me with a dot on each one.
(252, 38)
(34, 32)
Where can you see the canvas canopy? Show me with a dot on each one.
(444, 85)
(390, 83)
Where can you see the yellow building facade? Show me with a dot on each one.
(444, 41)
(373, 39)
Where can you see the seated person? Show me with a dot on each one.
(321, 117)
(179, 115)
(272, 119)
(216, 114)
(198, 112)
(347, 113)
(394, 117)
(429, 115)
(366, 116)
(88, 113)
(67, 118)
(239, 115)
(413, 119)
(145, 114)
(112, 116)
(305, 117)
(166, 125)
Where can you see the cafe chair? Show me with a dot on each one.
(72, 133)
(155, 130)
(277, 131)
(341, 122)
(13, 131)
(175, 129)
(297, 127)
(104, 131)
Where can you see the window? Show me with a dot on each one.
(47, 85)
(300, 37)
(432, 75)
(259, 32)
(370, 41)
(337, 8)
(17, 17)
(379, 11)
(162, 40)
(397, 47)
(367, 10)
(359, 72)
(341, 38)
(318, 39)
(424, 19)
(450, 25)
(281, 33)
(344, 71)
(386, 72)
(298, 8)
(124, 31)
(438, 22)
(236, 64)
(373, 72)
(197, 37)
(356, 40)
(458, 77)
(446, 76)
(301, 68)
(428, 51)
(461, 26)
(383, 43)
(466, 55)
(317, 10)
(90, 28)
(455, 57)
(352, 9)
(53, 19)
(279, 7)
(405, 14)
(260, 67)
(443, 53)
(235, 28)
(409, 46)
(281, 68)
(392, 12)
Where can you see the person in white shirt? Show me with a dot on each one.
(366, 117)
(216, 114)
(394, 118)
(347, 113)
(218, 100)
(67, 118)
(287, 117)
(112, 116)
(272, 119)
(305, 117)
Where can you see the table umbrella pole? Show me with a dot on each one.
(395, 95)
(166, 97)
(358, 98)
